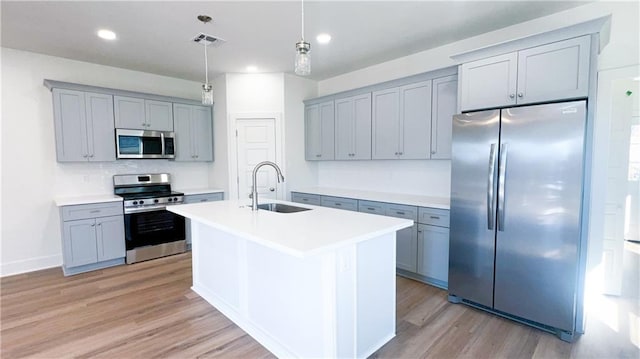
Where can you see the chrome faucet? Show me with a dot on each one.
(254, 187)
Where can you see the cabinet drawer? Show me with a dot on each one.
(372, 207)
(313, 199)
(402, 211)
(434, 216)
(94, 210)
(340, 203)
(204, 197)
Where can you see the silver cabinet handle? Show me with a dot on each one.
(490, 185)
(502, 173)
(204, 199)
(91, 156)
(95, 211)
(400, 153)
(512, 96)
(318, 155)
(400, 213)
(272, 189)
(434, 217)
(396, 153)
(338, 204)
(93, 225)
(520, 94)
(433, 152)
(371, 209)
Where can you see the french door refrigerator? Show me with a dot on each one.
(516, 204)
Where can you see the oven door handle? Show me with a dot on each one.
(145, 209)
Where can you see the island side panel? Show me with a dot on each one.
(286, 303)
(376, 293)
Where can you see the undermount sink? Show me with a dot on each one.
(281, 208)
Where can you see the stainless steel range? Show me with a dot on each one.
(150, 230)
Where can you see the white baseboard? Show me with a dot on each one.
(30, 265)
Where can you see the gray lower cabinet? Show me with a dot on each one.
(197, 198)
(92, 236)
(307, 198)
(84, 126)
(142, 114)
(194, 132)
(339, 203)
(422, 250)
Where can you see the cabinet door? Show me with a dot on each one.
(385, 124)
(489, 82)
(443, 107)
(110, 238)
(202, 133)
(129, 112)
(319, 131)
(158, 115)
(556, 71)
(407, 248)
(415, 121)
(307, 198)
(203, 197)
(79, 242)
(182, 124)
(344, 128)
(433, 252)
(100, 127)
(362, 127)
(71, 125)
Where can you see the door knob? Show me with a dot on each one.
(520, 95)
(272, 189)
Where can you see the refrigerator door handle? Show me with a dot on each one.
(501, 175)
(490, 186)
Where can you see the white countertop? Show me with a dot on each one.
(299, 234)
(86, 199)
(408, 199)
(190, 191)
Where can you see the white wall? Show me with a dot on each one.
(622, 50)
(298, 173)
(31, 176)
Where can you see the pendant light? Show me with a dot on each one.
(207, 89)
(303, 59)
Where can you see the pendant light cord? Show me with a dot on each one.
(302, 31)
(206, 63)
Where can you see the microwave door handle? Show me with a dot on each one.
(162, 144)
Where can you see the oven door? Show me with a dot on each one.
(156, 226)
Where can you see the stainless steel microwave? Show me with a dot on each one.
(144, 144)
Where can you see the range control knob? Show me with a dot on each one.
(141, 202)
(170, 199)
(175, 199)
(155, 201)
(135, 202)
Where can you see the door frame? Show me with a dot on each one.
(600, 155)
(233, 149)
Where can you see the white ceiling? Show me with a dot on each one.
(156, 37)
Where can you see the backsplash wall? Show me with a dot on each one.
(420, 177)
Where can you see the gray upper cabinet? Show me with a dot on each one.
(353, 128)
(556, 71)
(489, 82)
(444, 102)
(138, 113)
(194, 134)
(84, 126)
(401, 122)
(319, 131)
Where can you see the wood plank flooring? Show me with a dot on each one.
(147, 310)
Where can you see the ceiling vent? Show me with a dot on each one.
(209, 40)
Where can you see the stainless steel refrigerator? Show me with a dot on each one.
(516, 204)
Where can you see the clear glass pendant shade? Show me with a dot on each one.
(303, 60)
(207, 94)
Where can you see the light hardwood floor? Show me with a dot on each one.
(147, 310)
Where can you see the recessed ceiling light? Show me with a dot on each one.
(107, 34)
(252, 68)
(323, 38)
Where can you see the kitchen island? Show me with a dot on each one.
(315, 283)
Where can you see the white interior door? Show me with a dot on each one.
(256, 142)
(617, 184)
